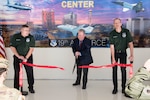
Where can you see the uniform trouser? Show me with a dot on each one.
(122, 58)
(29, 71)
(79, 74)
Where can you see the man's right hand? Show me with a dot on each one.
(77, 54)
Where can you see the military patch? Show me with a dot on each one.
(123, 34)
(27, 39)
(115, 36)
(18, 39)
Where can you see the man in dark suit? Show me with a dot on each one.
(82, 50)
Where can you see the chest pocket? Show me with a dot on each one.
(124, 38)
(19, 41)
(117, 40)
(27, 41)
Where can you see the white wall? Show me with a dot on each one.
(63, 57)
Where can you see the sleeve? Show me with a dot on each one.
(145, 95)
(32, 43)
(73, 47)
(129, 37)
(15, 94)
(111, 40)
(12, 41)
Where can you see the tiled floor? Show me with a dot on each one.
(63, 90)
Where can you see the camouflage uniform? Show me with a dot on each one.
(10, 94)
(7, 93)
(135, 87)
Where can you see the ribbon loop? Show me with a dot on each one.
(21, 75)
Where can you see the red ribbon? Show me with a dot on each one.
(31, 65)
(21, 75)
(40, 66)
(112, 65)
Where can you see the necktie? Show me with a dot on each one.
(80, 43)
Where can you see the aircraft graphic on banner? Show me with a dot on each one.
(18, 6)
(138, 7)
(74, 29)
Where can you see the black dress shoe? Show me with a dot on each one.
(24, 93)
(84, 87)
(114, 91)
(74, 84)
(31, 91)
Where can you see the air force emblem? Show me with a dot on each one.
(27, 39)
(124, 35)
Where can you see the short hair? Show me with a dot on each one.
(82, 30)
(117, 19)
(25, 26)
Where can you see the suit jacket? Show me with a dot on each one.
(84, 49)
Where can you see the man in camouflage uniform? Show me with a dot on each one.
(7, 93)
(135, 87)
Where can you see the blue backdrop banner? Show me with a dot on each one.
(54, 23)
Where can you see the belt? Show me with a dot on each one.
(120, 51)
